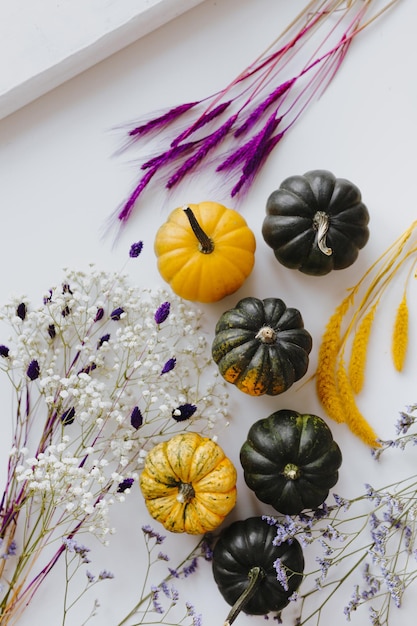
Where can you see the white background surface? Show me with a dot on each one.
(60, 183)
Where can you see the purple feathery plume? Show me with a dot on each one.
(261, 109)
(162, 121)
(202, 121)
(210, 142)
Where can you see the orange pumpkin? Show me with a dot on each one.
(188, 483)
(205, 251)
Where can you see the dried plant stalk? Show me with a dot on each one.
(326, 369)
(357, 362)
(400, 335)
(353, 417)
(336, 385)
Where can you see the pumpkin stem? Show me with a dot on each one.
(266, 334)
(206, 244)
(185, 492)
(256, 574)
(321, 224)
(291, 471)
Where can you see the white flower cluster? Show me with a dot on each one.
(102, 370)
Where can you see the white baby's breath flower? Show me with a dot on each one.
(109, 379)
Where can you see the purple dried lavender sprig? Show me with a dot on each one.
(209, 143)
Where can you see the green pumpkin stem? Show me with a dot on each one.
(206, 244)
(321, 224)
(256, 574)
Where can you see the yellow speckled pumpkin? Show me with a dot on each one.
(188, 483)
(205, 251)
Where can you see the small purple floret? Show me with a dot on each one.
(184, 412)
(117, 313)
(135, 249)
(125, 484)
(136, 418)
(33, 370)
(169, 365)
(162, 312)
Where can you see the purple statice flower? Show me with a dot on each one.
(170, 592)
(21, 311)
(136, 418)
(169, 365)
(68, 416)
(152, 534)
(404, 422)
(33, 370)
(72, 546)
(105, 575)
(135, 249)
(51, 331)
(158, 608)
(281, 571)
(91, 578)
(353, 603)
(125, 484)
(207, 549)
(162, 312)
(183, 412)
(341, 503)
(116, 314)
(191, 568)
(4, 351)
(191, 612)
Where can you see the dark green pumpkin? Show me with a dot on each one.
(243, 568)
(261, 346)
(316, 223)
(290, 461)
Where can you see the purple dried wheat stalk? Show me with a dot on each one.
(251, 105)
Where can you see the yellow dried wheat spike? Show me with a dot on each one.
(326, 368)
(358, 354)
(400, 335)
(353, 417)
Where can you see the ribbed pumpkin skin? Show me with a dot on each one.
(188, 460)
(290, 229)
(246, 544)
(245, 360)
(200, 277)
(285, 441)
